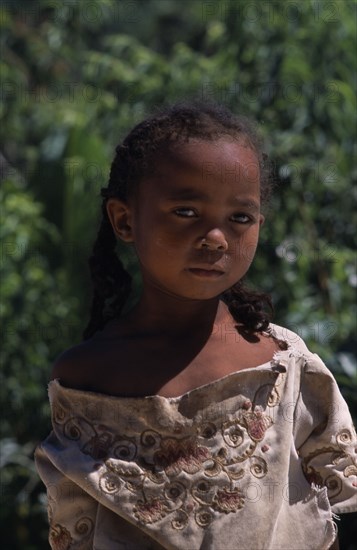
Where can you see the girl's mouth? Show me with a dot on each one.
(206, 273)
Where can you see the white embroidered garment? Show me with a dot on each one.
(256, 460)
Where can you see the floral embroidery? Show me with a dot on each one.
(110, 483)
(60, 538)
(175, 455)
(228, 500)
(150, 511)
(257, 424)
(84, 526)
(313, 477)
(192, 476)
(203, 518)
(350, 470)
(98, 445)
(338, 454)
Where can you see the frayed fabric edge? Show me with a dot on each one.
(322, 501)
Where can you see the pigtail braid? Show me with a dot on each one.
(111, 282)
(252, 309)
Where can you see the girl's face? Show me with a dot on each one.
(195, 223)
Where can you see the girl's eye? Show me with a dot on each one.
(185, 212)
(241, 218)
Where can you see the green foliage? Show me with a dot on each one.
(76, 76)
(37, 318)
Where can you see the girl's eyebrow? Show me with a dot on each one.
(247, 203)
(190, 194)
(186, 193)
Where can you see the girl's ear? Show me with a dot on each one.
(261, 219)
(119, 214)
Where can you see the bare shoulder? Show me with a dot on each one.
(84, 365)
(80, 366)
(76, 367)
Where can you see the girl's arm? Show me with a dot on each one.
(325, 437)
(71, 511)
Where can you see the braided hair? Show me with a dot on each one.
(133, 160)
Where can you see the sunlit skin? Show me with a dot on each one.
(195, 227)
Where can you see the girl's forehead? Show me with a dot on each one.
(223, 170)
(214, 158)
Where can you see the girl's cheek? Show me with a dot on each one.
(165, 244)
(250, 252)
(245, 248)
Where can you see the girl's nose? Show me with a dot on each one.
(214, 240)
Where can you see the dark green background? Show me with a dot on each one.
(76, 76)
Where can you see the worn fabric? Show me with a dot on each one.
(259, 459)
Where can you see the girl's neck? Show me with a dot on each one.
(174, 317)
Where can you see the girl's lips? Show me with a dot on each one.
(210, 273)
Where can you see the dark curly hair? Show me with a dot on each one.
(133, 160)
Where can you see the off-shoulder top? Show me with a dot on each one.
(259, 459)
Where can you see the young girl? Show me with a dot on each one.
(190, 421)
